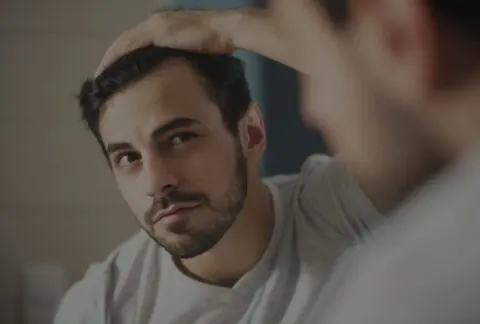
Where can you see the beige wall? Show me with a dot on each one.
(58, 201)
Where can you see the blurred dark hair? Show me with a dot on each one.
(224, 77)
(337, 10)
(463, 14)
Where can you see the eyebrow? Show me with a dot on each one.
(169, 126)
(114, 147)
(173, 124)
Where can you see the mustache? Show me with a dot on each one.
(174, 197)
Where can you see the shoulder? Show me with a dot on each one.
(87, 297)
(324, 178)
(315, 161)
(313, 165)
(320, 166)
(326, 194)
(317, 172)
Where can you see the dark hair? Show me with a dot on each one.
(464, 14)
(224, 77)
(337, 10)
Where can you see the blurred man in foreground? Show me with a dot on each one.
(421, 58)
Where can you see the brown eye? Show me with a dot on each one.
(181, 138)
(125, 159)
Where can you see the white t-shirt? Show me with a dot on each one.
(420, 266)
(318, 213)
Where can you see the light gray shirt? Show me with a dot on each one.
(318, 213)
(420, 266)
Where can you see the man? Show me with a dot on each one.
(421, 266)
(393, 53)
(218, 245)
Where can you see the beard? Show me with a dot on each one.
(195, 242)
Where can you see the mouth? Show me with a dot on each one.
(174, 210)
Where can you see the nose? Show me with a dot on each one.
(157, 175)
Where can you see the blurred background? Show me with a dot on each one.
(59, 207)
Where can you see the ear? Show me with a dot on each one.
(252, 133)
(396, 40)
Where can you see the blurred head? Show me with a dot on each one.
(183, 140)
(420, 57)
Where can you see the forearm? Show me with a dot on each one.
(381, 150)
(385, 155)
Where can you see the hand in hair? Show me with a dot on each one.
(186, 30)
(206, 31)
(193, 30)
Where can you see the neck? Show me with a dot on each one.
(241, 247)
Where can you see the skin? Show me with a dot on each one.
(172, 149)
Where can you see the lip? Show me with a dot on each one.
(172, 210)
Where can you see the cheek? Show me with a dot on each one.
(209, 170)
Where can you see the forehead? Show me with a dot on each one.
(170, 91)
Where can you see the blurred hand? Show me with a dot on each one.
(187, 30)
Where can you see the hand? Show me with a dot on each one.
(187, 30)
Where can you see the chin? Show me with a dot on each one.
(185, 250)
(182, 239)
(186, 246)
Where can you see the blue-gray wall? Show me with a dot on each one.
(274, 87)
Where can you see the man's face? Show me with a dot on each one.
(182, 173)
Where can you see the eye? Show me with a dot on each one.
(125, 159)
(180, 138)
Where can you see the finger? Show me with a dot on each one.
(119, 49)
(126, 43)
(196, 40)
